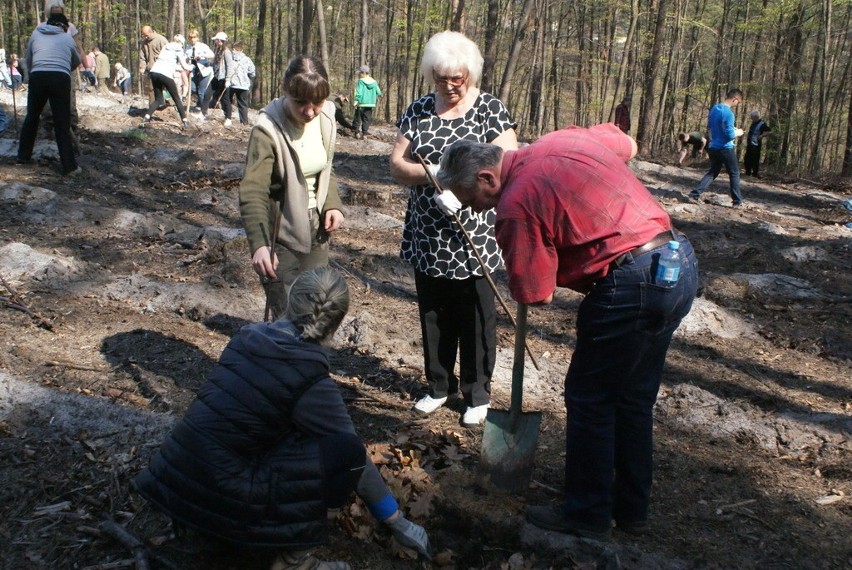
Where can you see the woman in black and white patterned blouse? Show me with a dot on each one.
(456, 304)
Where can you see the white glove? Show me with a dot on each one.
(448, 203)
(410, 535)
(227, 84)
(433, 170)
(738, 132)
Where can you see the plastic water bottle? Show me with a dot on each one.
(668, 267)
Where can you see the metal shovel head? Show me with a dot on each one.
(509, 438)
(508, 448)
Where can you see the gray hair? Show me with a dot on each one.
(463, 160)
(448, 52)
(317, 302)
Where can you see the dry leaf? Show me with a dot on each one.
(421, 506)
(453, 453)
(444, 558)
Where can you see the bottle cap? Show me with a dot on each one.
(674, 244)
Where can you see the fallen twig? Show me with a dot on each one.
(546, 487)
(60, 364)
(724, 508)
(14, 301)
(120, 534)
(126, 563)
(361, 391)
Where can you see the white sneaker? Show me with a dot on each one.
(474, 415)
(428, 404)
(227, 122)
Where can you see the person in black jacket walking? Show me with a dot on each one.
(268, 447)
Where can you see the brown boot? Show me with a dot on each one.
(304, 560)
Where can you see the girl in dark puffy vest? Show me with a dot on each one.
(268, 447)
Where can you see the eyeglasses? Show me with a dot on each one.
(454, 81)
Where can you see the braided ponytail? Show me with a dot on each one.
(317, 302)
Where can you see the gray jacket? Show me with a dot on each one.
(244, 71)
(50, 48)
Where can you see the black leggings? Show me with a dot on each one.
(158, 82)
(217, 93)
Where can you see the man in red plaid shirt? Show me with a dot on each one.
(570, 213)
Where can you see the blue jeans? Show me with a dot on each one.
(624, 328)
(202, 84)
(719, 157)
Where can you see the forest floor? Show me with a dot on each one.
(122, 286)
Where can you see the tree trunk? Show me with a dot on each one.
(515, 51)
(181, 15)
(364, 27)
(322, 35)
(259, 55)
(625, 56)
(488, 82)
(457, 24)
(823, 81)
(847, 154)
(644, 131)
(307, 19)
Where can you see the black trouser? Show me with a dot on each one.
(158, 82)
(53, 86)
(752, 160)
(342, 120)
(458, 316)
(217, 92)
(242, 96)
(363, 118)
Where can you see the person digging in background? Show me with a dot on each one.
(51, 55)
(696, 140)
(123, 80)
(223, 73)
(268, 448)
(339, 100)
(456, 304)
(570, 213)
(170, 59)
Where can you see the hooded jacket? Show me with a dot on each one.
(50, 48)
(244, 71)
(367, 92)
(273, 171)
(243, 465)
(170, 58)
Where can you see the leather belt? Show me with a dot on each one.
(659, 240)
